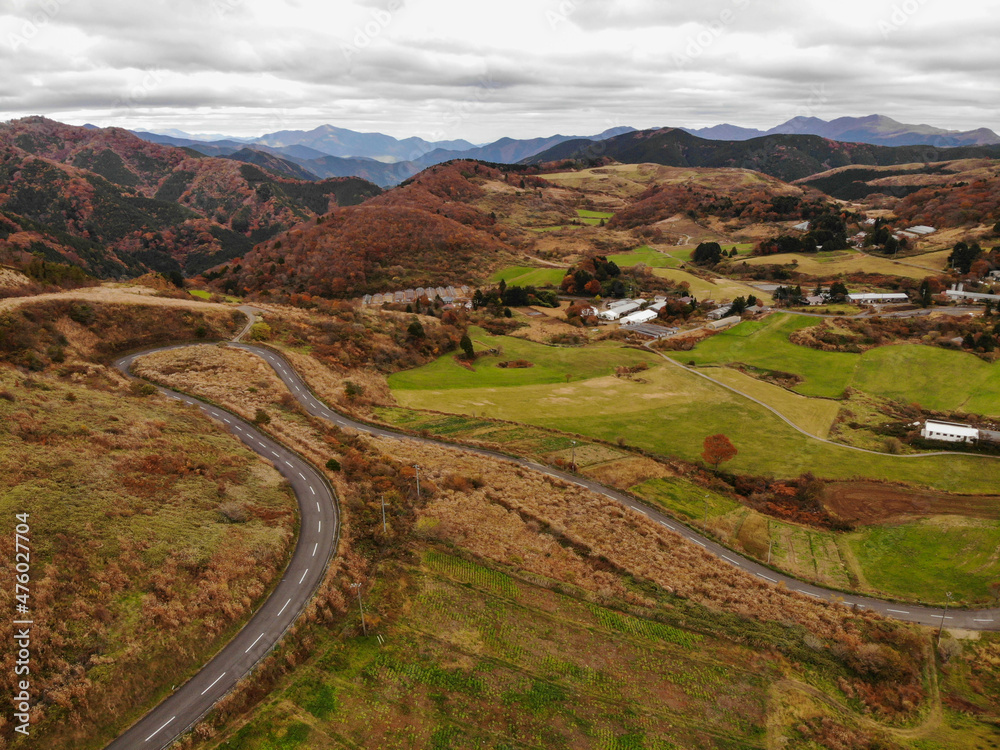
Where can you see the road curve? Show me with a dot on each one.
(317, 541)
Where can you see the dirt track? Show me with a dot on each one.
(871, 503)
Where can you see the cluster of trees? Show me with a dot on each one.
(501, 298)
(977, 202)
(792, 296)
(827, 231)
(740, 304)
(748, 204)
(964, 255)
(710, 253)
(595, 276)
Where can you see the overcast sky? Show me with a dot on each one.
(484, 69)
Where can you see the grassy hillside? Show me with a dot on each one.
(933, 377)
(136, 574)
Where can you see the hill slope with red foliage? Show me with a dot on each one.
(160, 206)
(425, 232)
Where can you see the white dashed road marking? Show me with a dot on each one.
(254, 643)
(283, 608)
(315, 547)
(158, 730)
(214, 683)
(303, 576)
(898, 611)
(767, 578)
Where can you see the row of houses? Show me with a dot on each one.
(448, 294)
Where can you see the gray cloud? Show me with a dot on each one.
(521, 68)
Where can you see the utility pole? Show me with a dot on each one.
(415, 466)
(384, 531)
(943, 616)
(573, 459)
(706, 510)
(770, 542)
(364, 628)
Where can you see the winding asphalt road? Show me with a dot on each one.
(964, 619)
(318, 540)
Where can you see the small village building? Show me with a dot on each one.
(803, 227)
(718, 313)
(366, 300)
(657, 306)
(949, 432)
(815, 299)
(615, 313)
(589, 312)
(921, 230)
(376, 299)
(874, 298)
(615, 303)
(638, 317)
(718, 325)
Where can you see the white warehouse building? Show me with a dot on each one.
(949, 432)
(616, 312)
(636, 318)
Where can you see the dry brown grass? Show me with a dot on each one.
(112, 293)
(628, 472)
(11, 278)
(136, 578)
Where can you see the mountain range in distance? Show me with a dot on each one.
(329, 151)
(877, 130)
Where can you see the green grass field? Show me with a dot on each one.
(645, 254)
(670, 413)
(814, 415)
(551, 365)
(933, 377)
(926, 558)
(482, 660)
(593, 218)
(529, 276)
(764, 344)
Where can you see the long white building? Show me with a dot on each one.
(949, 432)
(640, 316)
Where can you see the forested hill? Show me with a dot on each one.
(430, 230)
(135, 206)
(787, 157)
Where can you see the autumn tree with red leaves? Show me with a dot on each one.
(718, 449)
